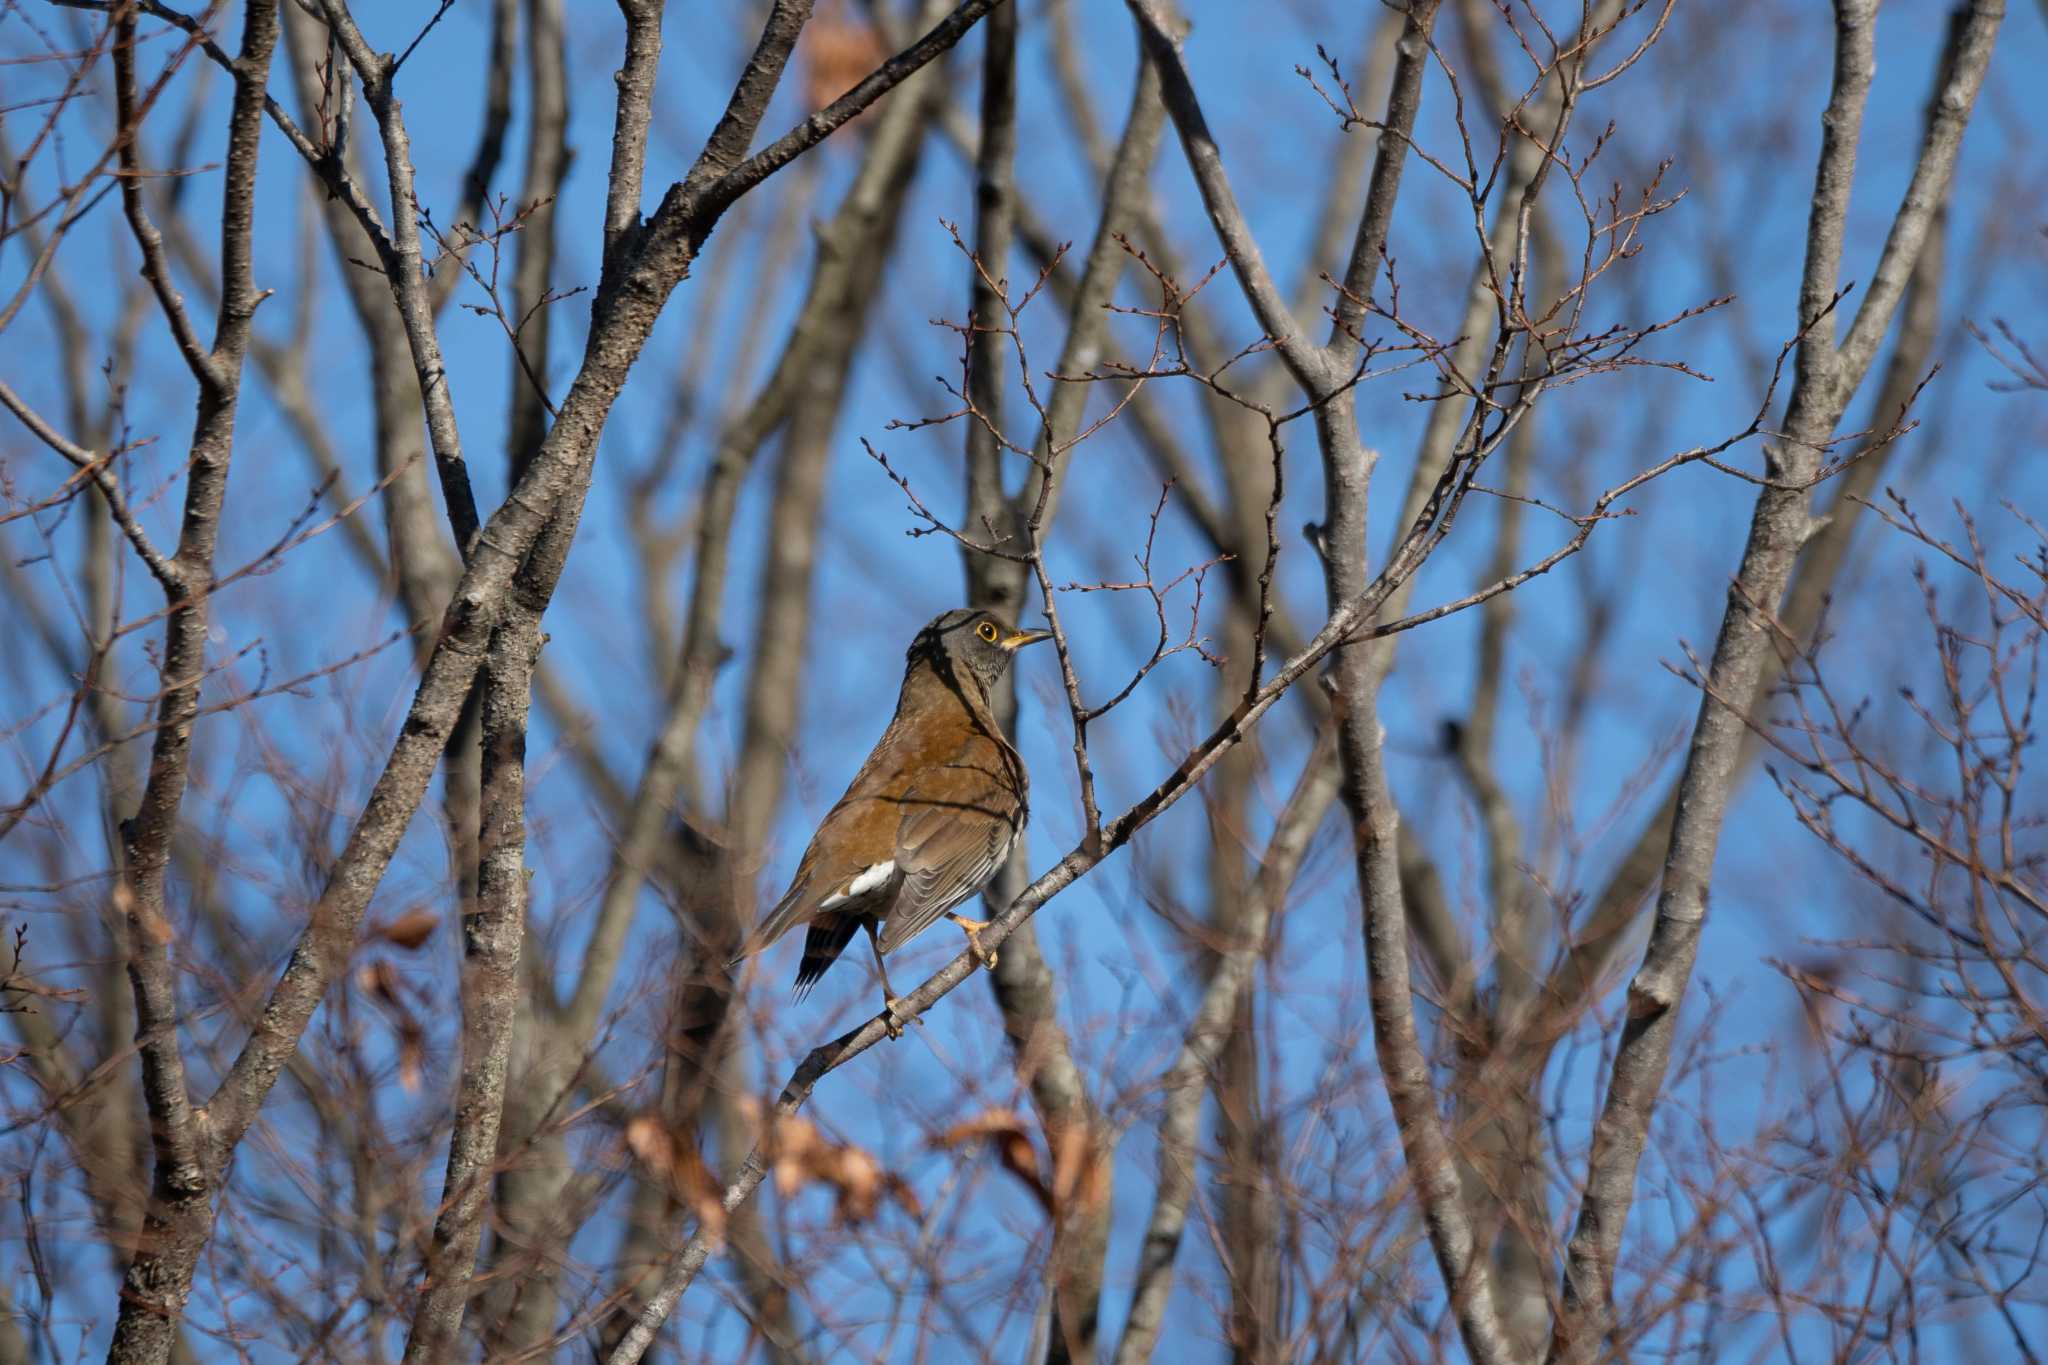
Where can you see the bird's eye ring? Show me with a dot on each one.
(986, 630)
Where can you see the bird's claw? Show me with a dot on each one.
(890, 1006)
(972, 928)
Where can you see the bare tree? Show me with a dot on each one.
(1373, 405)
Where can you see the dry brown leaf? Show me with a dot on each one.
(153, 925)
(674, 1156)
(380, 979)
(1080, 1176)
(798, 1155)
(899, 1190)
(839, 51)
(702, 1192)
(410, 929)
(794, 1149)
(1003, 1129)
(859, 1178)
(412, 1055)
(647, 1137)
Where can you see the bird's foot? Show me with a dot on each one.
(973, 928)
(891, 1006)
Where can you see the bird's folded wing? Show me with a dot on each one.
(794, 907)
(956, 830)
(837, 866)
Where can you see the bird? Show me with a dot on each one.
(927, 821)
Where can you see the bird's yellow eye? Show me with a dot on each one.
(987, 631)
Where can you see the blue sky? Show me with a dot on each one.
(1734, 102)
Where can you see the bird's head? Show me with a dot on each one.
(971, 643)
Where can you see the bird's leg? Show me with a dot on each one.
(973, 928)
(889, 997)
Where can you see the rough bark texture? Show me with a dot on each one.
(1826, 379)
(1347, 467)
(1024, 984)
(517, 556)
(189, 1146)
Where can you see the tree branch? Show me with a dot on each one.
(179, 1217)
(492, 984)
(1078, 862)
(521, 550)
(404, 268)
(1825, 381)
(1187, 1080)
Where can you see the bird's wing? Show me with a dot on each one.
(847, 854)
(828, 902)
(957, 826)
(794, 906)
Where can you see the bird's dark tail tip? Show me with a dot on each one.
(827, 939)
(807, 974)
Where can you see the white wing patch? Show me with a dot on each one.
(873, 878)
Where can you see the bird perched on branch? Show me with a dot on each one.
(929, 818)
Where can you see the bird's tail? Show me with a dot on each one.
(827, 939)
(773, 925)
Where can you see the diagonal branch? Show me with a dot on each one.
(1156, 31)
(719, 195)
(97, 469)
(1343, 624)
(404, 269)
(519, 553)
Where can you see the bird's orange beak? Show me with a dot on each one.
(1022, 638)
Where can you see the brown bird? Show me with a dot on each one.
(927, 820)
